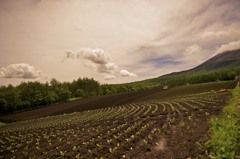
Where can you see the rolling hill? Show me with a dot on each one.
(225, 60)
(223, 66)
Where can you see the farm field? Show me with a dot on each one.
(113, 100)
(166, 124)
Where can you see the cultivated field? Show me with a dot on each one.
(114, 100)
(166, 124)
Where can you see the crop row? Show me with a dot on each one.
(114, 132)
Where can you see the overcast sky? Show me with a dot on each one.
(112, 41)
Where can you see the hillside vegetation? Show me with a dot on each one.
(222, 67)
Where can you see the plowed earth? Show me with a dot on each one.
(158, 129)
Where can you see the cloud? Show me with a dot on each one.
(221, 35)
(229, 47)
(147, 30)
(109, 77)
(125, 73)
(193, 49)
(189, 38)
(107, 68)
(95, 58)
(193, 55)
(100, 61)
(71, 55)
(20, 70)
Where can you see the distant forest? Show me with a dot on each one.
(199, 77)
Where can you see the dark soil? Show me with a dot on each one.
(176, 128)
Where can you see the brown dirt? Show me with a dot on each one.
(161, 144)
(179, 131)
(183, 138)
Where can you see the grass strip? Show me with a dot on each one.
(73, 99)
(1, 124)
(225, 128)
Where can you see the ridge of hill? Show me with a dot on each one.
(223, 66)
(225, 60)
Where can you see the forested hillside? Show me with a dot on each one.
(222, 67)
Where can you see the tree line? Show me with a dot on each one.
(223, 75)
(30, 95)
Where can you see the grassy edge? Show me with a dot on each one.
(74, 98)
(1, 124)
(225, 130)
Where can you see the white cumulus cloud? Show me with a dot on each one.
(97, 56)
(109, 77)
(125, 73)
(70, 54)
(229, 47)
(100, 60)
(20, 70)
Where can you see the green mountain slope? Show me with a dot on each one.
(226, 60)
(223, 66)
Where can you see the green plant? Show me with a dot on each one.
(225, 130)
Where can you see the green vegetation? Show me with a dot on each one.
(221, 67)
(34, 94)
(1, 124)
(196, 77)
(74, 98)
(225, 128)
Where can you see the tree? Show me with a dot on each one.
(3, 105)
(64, 94)
(32, 92)
(51, 97)
(80, 93)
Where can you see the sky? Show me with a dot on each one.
(112, 41)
